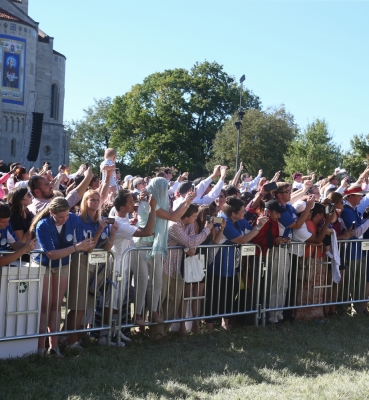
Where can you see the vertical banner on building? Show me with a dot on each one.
(13, 61)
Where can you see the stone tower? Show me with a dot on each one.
(32, 80)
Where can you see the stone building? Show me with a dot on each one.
(32, 80)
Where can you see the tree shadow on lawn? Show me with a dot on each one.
(206, 363)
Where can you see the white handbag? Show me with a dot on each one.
(194, 269)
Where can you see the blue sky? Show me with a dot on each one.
(312, 56)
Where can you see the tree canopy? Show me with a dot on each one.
(265, 136)
(90, 136)
(173, 116)
(313, 150)
(357, 158)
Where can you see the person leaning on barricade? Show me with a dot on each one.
(267, 238)
(59, 235)
(180, 233)
(337, 266)
(287, 222)
(8, 240)
(149, 267)
(82, 273)
(221, 279)
(124, 205)
(312, 274)
(356, 284)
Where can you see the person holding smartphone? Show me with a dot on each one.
(59, 235)
(96, 229)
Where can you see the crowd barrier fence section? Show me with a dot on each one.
(39, 300)
(150, 283)
(304, 282)
(103, 292)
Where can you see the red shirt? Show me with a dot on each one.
(262, 238)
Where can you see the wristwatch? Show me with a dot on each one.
(257, 228)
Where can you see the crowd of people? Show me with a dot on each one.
(69, 215)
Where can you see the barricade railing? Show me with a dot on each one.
(39, 300)
(304, 282)
(104, 292)
(153, 284)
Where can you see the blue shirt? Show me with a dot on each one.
(93, 227)
(7, 236)
(224, 260)
(49, 238)
(285, 220)
(349, 215)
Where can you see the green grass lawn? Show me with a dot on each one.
(300, 360)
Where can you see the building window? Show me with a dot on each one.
(13, 147)
(54, 106)
(47, 150)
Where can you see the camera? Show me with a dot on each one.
(330, 208)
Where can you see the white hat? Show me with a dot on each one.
(299, 206)
(127, 178)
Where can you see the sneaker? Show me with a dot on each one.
(55, 352)
(125, 338)
(74, 346)
(103, 341)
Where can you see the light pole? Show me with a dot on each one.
(238, 123)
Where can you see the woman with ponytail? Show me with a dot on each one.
(59, 234)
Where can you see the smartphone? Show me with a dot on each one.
(110, 220)
(87, 165)
(208, 218)
(89, 235)
(49, 166)
(193, 187)
(218, 220)
(270, 186)
(33, 234)
(353, 227)
(265, 212)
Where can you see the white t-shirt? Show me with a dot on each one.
(297, 185)
(300, 235)
(122, 241)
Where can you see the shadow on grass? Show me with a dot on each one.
(197, 366)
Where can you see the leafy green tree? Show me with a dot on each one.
(314, 151)
(90, 136)
(173, 116)
(357, 158)
(265, 136)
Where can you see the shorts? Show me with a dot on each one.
(64, 271)
(80, 275)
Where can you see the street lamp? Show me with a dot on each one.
(238, 123)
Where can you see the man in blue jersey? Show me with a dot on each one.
(356, 278)
(283, 279)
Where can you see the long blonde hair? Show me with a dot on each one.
(84, 213)
(56, 205)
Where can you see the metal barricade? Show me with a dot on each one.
(302, 280)
(155, 285)
(39, 300)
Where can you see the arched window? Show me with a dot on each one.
(13, 144)
(54, 104)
